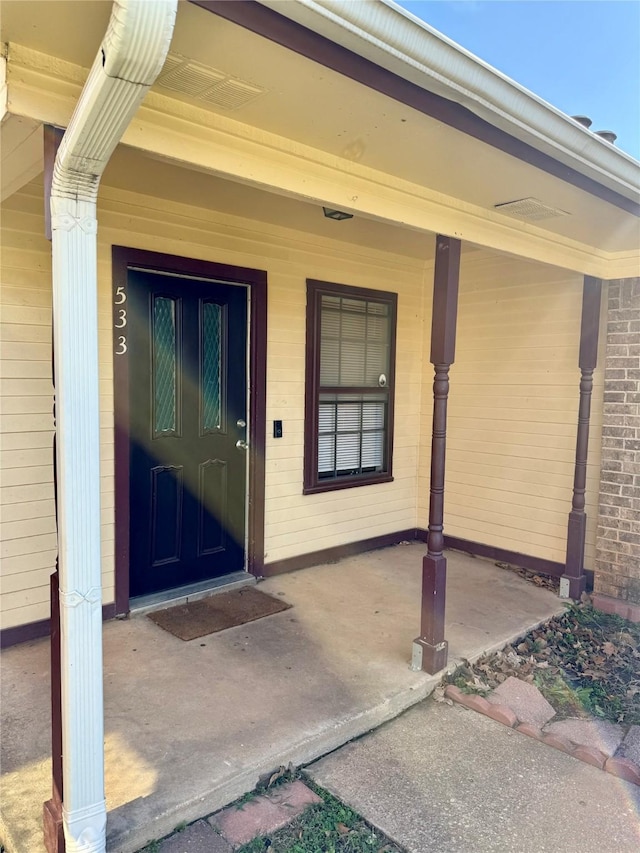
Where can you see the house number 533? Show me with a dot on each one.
(120, 321)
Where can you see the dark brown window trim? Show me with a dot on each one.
(287, 33)
(122, 258)
(311, 484)
(350, 483)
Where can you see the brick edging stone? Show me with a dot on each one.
(623, 768)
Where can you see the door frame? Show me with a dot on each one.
(124, 257)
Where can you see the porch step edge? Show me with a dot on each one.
(303, 752)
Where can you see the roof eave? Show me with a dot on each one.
(392, 38)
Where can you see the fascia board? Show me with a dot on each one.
(392, 38)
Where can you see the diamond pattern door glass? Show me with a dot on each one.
(164, 365)
(211, 366)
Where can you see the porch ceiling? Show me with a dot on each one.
(133, 171)
(312, 105)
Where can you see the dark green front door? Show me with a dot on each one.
(187, 342)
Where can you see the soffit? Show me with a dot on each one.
(132, 171)
(318, 107)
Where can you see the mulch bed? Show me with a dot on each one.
(586, 663)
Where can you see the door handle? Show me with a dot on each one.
(241, 444)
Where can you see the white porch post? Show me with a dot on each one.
(131, 56)
(78, 459)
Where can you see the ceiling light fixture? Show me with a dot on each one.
(338, 215)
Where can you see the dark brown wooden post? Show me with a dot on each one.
(430, 648)
(52, 812)
(573, 581)
(52, 139)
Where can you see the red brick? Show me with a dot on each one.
(468, 700)
(623, 768)
(477, 703)
(559, 742)
(471, 701)
(590, 755)
(530, 731)
(452, 692)
(524, 699)
(502, 714)
(199, 837)
(264, 814)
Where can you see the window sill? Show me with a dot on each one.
(351, 483)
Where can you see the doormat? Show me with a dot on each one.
(217, 612)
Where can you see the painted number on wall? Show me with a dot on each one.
(121, 320)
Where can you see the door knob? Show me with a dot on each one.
(241, 423)
(242, 445)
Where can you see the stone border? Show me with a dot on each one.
(621, 767)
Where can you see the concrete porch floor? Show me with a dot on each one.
(191, 726)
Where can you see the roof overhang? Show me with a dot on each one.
(455, 85)
(321, 136)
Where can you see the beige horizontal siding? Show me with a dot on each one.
(27, 528)
(513, 409)
(295, 524)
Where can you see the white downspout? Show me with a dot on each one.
(131, 56)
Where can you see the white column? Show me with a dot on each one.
(74, 230)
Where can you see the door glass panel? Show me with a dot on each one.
(164, 365)
(211, 366)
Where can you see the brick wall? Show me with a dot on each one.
(617, 567)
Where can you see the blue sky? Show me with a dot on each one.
(582, 56)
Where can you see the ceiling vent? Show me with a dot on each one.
(232, 94)
(530, 208)
(206, 84)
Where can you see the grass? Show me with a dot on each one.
(327, 827)
(585, 662)
(271, 780)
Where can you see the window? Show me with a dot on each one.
(350, 370)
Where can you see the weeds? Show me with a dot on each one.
(584, 662)
(327, 827)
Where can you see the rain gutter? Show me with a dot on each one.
(392, 38)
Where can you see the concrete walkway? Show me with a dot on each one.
(192, 726)
(443, 779)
